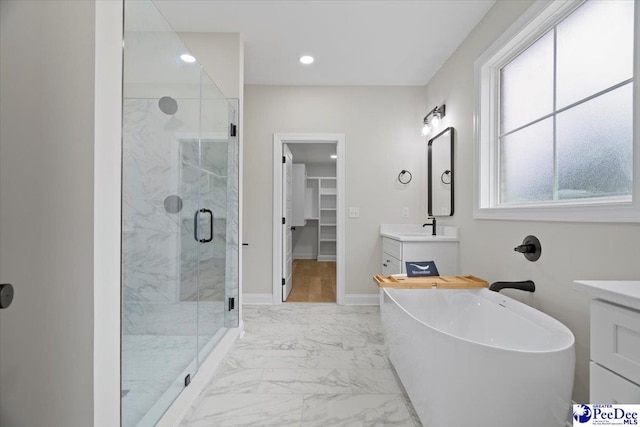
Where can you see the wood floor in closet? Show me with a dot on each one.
(313, 281)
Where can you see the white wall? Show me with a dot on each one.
(569, 250)
(382, 128)
(107, 208)
(46, 212)
(221, 55)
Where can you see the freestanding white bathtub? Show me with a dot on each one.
(478, 358)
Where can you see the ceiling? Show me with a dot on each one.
(378, 43)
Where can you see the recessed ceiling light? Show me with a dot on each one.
(334, 156)
(187, 58)
(306, 59)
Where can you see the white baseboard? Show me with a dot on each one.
(304, 256)
(361, 299)
(252, 299)
(185, 400)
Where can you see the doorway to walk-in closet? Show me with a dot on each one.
(308, 261)
(313, 223)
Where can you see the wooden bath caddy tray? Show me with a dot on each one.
(440, 282)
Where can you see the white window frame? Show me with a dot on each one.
(535, 22)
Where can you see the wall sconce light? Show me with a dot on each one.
(432, 120)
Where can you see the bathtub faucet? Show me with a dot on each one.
(525, 285)
(432, 224)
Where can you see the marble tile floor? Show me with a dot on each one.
(306, 364)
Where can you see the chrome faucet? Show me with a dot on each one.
(432, 224)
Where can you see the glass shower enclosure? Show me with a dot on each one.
(179, 216)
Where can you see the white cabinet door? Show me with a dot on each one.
(390, 265)
(615, 339)
(607, 387)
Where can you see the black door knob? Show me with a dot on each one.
(6, 295)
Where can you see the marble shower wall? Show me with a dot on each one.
(161, 259)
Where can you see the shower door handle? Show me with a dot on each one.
(210, 225)
(195, 226)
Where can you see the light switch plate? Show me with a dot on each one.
(354, 212)
(405, 212)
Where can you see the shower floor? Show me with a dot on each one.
(158, 354)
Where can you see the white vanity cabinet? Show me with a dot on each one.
(615, 354)
(615, 341)
(399, 248)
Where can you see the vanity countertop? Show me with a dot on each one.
(622, 292)
(417, 233)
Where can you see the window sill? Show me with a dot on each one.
(609, 213)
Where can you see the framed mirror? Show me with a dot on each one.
(440, 174)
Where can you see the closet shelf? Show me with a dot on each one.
(320, 204)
